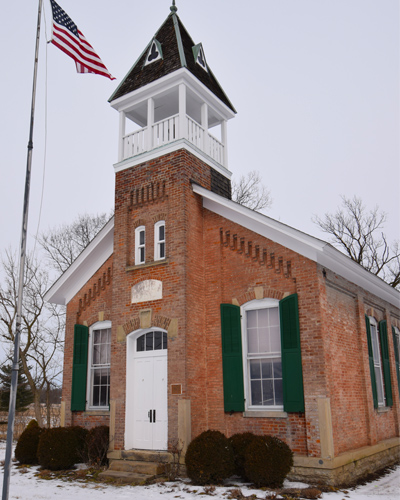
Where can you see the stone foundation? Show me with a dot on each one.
(347, 467)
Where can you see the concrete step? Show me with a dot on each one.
(146, 456)
(125, 477)
(150, 468)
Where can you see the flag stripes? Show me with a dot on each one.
(68, 38)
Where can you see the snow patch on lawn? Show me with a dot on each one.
(26, 485)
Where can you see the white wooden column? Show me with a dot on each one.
(224, 140)
(204, 124)
(182, 112)
(122, 121)
(150, 123)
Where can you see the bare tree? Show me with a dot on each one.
(358, 232)
(250, 192)
(64, 243)
(42, 325)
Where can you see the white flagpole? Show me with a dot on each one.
(14, 375)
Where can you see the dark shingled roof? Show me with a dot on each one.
(172, 36)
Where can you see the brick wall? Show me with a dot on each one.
(92, 303)
(209, 261)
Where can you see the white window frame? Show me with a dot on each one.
(376, 351)
(140, 248)
(397, 334)
(100, 325)
(158, 242)
(258, 304)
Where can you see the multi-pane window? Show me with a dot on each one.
(152, 341)
(159, 240)
(99, 366)
(376, 350)
(140, 245)
(263, 358)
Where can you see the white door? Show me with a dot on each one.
(146, 405)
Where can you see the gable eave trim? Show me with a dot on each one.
(304, 244)
(84, 267)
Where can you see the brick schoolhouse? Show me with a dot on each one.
(190, 312)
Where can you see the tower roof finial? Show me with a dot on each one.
(173, 7)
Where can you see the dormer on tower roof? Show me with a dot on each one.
(173, 96)
(178, 51)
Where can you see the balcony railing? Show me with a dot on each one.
(167, 131)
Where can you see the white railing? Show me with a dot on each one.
(195, 133)
(216, 149)
(166, 131)
(135, 143)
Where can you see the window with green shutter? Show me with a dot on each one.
(377, 341)
(292, 371)
(385, 362)
(232, 364)
(267, 375)
(79, 368)
(396, 345)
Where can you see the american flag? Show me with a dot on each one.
(68, 38)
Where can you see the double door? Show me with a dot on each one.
(147, 405)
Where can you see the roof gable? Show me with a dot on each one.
(177, 52)
(101, 248)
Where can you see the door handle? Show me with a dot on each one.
(154, 416)
(150, 415)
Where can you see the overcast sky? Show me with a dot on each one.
(315, 84)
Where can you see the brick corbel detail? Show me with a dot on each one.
(97, 287)
(256, 253)
(151, 193)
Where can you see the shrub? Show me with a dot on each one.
(97, 442)
(268, 461)
(27, 445)
(239, 443)
(61, 447)
(32, 423)
(209, 458)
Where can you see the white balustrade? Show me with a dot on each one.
(166, 131)
(195, 133)
(134, 143)
(216, 149)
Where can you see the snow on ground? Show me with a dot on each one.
(25, 486)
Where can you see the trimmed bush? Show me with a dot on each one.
(61, 447)
(97, 442)
(268, 461)
(239, 443)
(27, 445)
(209, 458)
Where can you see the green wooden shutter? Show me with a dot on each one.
(371, 363)
(396, 356)
(292, 371)
(386, 363)
(79, 368)
(232, 362)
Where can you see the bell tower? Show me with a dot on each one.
(170, 99)
(172, 136)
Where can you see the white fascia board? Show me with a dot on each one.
(170, 148)
(167, 82)
(287, 236)
(304, 244)
(84, 267)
